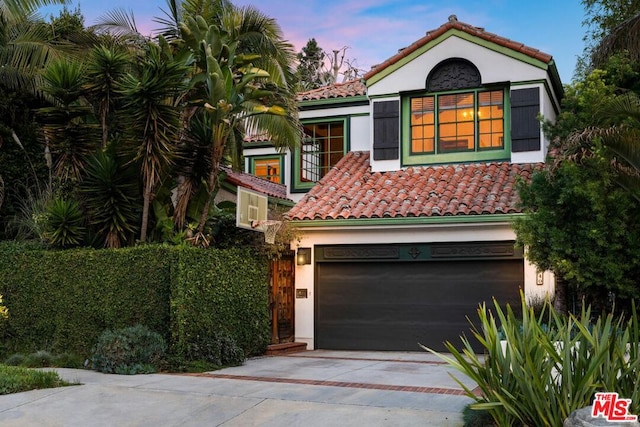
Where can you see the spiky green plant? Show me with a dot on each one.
(64, 223)
(551, 364)
(110, 199)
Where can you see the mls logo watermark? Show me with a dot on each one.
(612, 408)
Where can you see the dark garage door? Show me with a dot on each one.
(396, 305)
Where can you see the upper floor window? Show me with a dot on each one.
(451, 127)
(460, 122)
(267, 167)
(322, 146)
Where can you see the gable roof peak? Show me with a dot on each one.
(454, 24)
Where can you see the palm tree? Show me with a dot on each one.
(105, 67)
(243, 80)
(232, 94)
(151, 101)
(69, 133)
(25, 47)
(624, 37)
(617, 128)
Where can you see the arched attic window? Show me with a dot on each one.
(453, 74)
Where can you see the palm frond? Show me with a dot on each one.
(120, 23)
(624, 37)
(170, 23)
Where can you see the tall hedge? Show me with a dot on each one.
(220, 292)
(62, 301)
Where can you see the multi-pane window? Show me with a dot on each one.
(322, 147)
(268, 168)
(461, 122)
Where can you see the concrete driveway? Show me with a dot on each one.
(312, 388)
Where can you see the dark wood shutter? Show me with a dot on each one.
(525, 127)
(386, 130)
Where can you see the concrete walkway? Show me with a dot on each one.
(313, 388)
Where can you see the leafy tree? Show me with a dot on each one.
(311, 69)
(584, 227)
(582, 220)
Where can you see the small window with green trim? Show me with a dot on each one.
(455, 127)
(323, 145)
(267, 167)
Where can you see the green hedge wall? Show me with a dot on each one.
(223, 292)
(62, 301)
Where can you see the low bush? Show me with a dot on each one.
(216, 349)
(132, 350)
(551, 365)
(15, 359)
(41, 359)
(18, 379)
(476, 417)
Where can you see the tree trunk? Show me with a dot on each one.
(145, 213)
(219, 141)
(560, 303)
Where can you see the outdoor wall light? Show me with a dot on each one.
(303, 256)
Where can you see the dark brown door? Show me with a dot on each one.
(281, 298)
(397, 305)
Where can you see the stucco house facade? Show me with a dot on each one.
(404, 190)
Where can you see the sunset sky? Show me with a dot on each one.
(374, 30)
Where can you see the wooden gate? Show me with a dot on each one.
(281, 299)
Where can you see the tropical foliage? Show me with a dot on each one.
(536, 370)
(113, 102)
(582, 207)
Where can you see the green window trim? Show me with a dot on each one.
(298, 185)
(462, 156)
(275, 157)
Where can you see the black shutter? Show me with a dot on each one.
(525, 127)
(386, 130)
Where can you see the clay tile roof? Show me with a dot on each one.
(337, 90)
(257, 138)
(352, 191)
(252, 182)
(453, 23)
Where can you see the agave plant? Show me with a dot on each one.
(64, 220)
(110, 199)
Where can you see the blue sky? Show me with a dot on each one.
(374, 30)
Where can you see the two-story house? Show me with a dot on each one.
(405, 190)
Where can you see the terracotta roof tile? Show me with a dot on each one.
(352, 191)
(255, 183)
(453, 23)
(337, 90)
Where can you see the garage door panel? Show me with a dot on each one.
(395, 306)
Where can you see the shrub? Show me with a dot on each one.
(14, 360)
(551, 366)
(216, 348)
(476, 417)
(39, 359)
(131, 350)
(15, 379)
(67, 360)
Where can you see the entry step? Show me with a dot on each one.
(285, 348)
